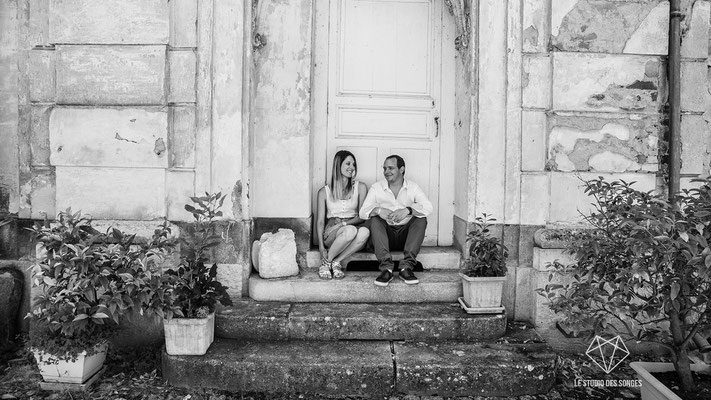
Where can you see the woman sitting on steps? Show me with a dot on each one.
(338, 226)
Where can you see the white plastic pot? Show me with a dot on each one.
(652, 389)
(79, 371)
(482, 292)
(189, 336)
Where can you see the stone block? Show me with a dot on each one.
(534, 134)
(277, 254)
(326, 368)
(611, 82)
(652, 35)
(41, 75)
(536, 26)
(695, 94)
(179, 186)
(603, 142)
(108, 137)
(695, 144)
(231, 276)
(39, 134)
(695, 39)
(112, 193)
(474, 369)
(414, 322)
(535, 199)
(536, 82)
(568, 200)
(182, 137)
(250, 320)
(37, 195)
(11, 291)
(142, 229)
(109, 21)
(182, 66)
(300, 226)
(111, 75)
(523, 310)
(183, 23)
(543, 318)
(39, 23)
(604, 26)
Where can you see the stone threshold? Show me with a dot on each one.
(357, 287)
(431, 257)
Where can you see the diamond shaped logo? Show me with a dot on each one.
(607, 353)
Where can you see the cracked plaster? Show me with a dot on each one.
(581, 143)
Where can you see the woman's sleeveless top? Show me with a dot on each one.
(347, 208)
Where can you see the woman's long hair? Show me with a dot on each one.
(338, 190)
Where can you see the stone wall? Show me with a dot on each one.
(123, 109)
(593, 104)
(594, 90)
(9, 112)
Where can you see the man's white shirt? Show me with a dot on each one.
(410, 195)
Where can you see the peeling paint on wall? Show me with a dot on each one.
(159, 147)
(236, 197)
(637, 96)
(530, 36)
(591, 143)
(600, 26)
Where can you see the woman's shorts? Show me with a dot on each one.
(329, 235)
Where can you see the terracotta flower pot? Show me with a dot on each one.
(67, 371)
(189, 336)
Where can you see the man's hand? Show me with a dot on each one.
(398, 215)
(384, 213)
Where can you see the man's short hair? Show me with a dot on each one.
(400, 162)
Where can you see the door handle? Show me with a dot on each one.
(436, 126)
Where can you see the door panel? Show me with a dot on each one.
(387, 47)
(384, 89)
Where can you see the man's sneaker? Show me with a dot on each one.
(384, 278)
(407, 276)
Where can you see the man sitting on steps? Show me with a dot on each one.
(396, 210)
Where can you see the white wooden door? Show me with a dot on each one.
(384, 90)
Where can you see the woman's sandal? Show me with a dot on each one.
(337, 270)
(324, 270)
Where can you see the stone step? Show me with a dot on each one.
(251, 320)
(430, 257)
(367, 368)
(357, 287)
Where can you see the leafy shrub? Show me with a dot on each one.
(487, 255)
(643, 270)
(192, 290)
(88, 281)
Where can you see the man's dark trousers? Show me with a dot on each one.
(407, 238)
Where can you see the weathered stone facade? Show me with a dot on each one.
(124, 108)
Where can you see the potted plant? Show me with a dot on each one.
(643, 270)
(88, 281)
(186, 296)
(484, 270)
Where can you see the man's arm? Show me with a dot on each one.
(369, 204)
(421, 207)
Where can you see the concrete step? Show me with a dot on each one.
(357, 287)
(367, 368)
(251, 320)
(430, 257)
